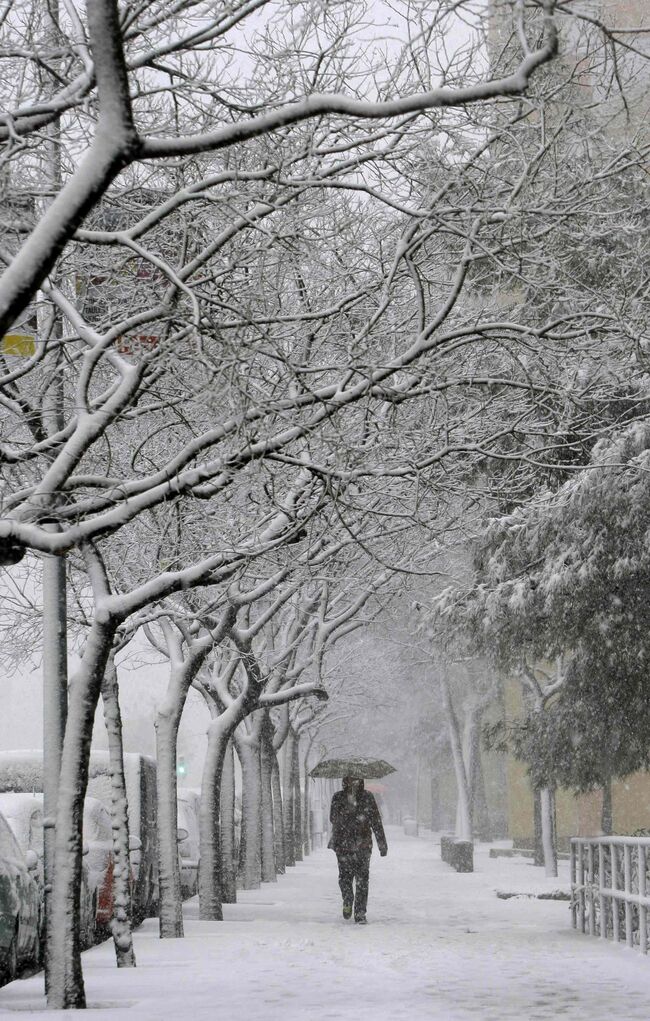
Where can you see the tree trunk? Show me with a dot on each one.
(226, 835)
(548, 831)
(327, 793)
(436, 807)
(278, 817)
(297, 799)
(66, 986)
(210, 894)
(212, 872)
(464, 811)
(169, 871)
(250, 849)
(607, 814)
(476, 779)
(183, 670)
(121, 921)
(538, 844)
(267, 756)
(288, 810)
(306, 808)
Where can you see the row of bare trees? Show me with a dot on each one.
(256, 348)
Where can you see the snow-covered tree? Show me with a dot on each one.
(258, 196)
(559, 600)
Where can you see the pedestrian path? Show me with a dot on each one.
(438, 947)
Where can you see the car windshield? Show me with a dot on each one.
(18, 826)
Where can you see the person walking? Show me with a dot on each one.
(355, 817)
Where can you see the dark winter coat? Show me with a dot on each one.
(354, 822)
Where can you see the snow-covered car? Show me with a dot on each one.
(20, 907)
(100, 861)
(24, 813)
(23, 771)
(140, 777)
(188, 849)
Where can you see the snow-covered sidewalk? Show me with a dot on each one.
(439, 946)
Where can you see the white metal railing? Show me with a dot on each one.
(609, 887)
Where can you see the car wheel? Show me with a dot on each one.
(9, 965)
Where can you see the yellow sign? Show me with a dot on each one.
(20, 345)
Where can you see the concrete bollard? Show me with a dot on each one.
(410, 827)
(457, 853)
(446, 845)
(463, 856)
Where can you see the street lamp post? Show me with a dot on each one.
(55, 642)
(55, 709)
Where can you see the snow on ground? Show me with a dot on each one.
(439, 946)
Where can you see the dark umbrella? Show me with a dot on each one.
(359, 768)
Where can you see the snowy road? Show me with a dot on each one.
(439, 946)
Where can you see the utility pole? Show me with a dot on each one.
(55, 708)
(55, 644)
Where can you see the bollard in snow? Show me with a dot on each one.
(446, 844)
(457, 853)
(463, 860)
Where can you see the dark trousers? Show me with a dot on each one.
(354, 868)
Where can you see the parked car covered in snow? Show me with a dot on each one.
(188, 849)
(100, 861)
(24, 813)
(20, 906)
(23, 771)
(140, 777)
